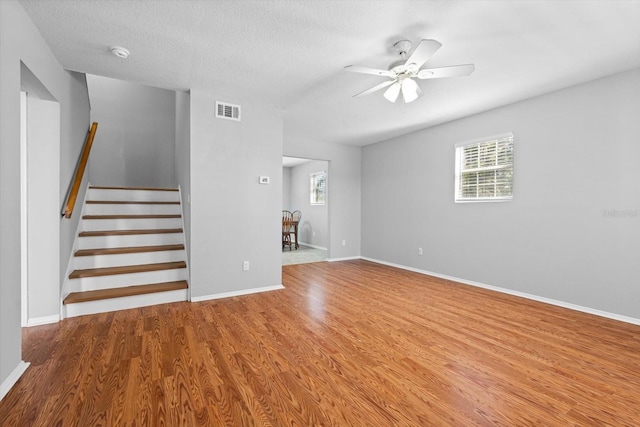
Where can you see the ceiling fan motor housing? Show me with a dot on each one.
(402, 47)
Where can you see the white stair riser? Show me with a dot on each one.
(130, 224)
(131, 209)
(101, 261)
(131, 279)
(103, 306)
(94, 242)
(133, 195)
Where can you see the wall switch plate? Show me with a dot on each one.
(419, 251)
(264, 180)
(245, 266)
(344, 243)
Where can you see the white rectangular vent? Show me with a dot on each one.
(227, 111)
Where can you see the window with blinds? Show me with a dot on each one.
(318, 188)
(484, 170)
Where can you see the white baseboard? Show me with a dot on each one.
(44, 320)
(236, 293)
(13, 378)
(589, 310)
(313, 246)
(349, 258)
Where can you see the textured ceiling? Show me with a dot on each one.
(291, 54)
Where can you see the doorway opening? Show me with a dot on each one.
(39, 202)
(305, 188)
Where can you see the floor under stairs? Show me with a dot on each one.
(129, 251)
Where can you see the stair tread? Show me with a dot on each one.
(128, 250)
(133, 216)
(129, 202)
(130, 232)
(100, 294)
(133, 188)
(126, 269)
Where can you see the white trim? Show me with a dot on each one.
(570, 306)
(24, 253)
(125, 303)
(348, 258)
(13, 378)
(313, 246)
(236, 293)
(44, 320)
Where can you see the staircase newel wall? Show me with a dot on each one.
(65, 289)
(184, 240)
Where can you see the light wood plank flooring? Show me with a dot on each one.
(345, 344)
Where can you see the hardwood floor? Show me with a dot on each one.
(347, 343)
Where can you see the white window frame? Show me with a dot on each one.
(459, 169)
(317, 194)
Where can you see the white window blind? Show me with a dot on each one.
(318, 188)
(484, 169)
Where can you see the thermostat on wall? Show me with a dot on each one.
(264, 180)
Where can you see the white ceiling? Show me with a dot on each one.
(289, 162)
(291, 54)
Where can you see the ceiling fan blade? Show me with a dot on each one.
(452, 71)
(365, 70)
(392, 93)
(375, 88)
(423, 52)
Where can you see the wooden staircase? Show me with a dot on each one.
(129, 251)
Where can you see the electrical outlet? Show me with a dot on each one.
(313, 234)
(419, 251)
(344, 243)
(245, 266)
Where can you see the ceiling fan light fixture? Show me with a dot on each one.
(409, 90)
(392, 93)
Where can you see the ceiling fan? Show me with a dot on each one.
(403, 71)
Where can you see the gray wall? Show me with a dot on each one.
(233, 217)
(314, 217)
(286, 188)
(21, 41)
(576, 154)
(43, 207)
(182, 156)
(344, 191)
(135, 141)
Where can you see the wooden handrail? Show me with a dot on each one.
(77, 178)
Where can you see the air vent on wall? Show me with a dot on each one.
(227, 111)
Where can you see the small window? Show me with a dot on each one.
(318, 188)
(484, 170)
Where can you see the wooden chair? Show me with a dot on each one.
(287, 223)
(297, 215)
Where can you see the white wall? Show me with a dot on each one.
(344, 192)
(21, 41)
(135, 142)
(313, 228)
(233, 217)
(576, 154)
